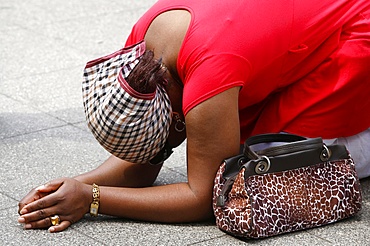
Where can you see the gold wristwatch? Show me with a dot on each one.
(94, 206)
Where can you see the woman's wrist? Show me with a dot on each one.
(87, 196)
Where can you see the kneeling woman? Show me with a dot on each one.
(226, 70)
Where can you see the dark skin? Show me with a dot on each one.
(212, 132)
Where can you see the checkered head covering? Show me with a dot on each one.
(130, 125)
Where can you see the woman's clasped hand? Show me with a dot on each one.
(55, 198)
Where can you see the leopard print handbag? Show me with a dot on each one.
(297, 185)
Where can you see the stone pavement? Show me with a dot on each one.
(44, 46)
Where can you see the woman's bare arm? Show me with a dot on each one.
(213, 135)
(120, 173)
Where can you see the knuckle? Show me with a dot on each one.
(45, 222)
(61, 197)
(41, 204)
(41, 223)
(41, 214)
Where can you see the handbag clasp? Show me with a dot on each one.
(263, 166)
(325, 153)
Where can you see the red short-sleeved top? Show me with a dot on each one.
(265, 47)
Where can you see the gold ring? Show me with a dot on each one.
(55, 220)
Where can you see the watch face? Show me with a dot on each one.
(94, 209)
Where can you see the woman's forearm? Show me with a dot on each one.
(119, 173)
(121, 194)
(168, 203)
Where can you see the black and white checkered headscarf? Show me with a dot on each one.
(130, 125)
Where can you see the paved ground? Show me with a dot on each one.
(43, 48)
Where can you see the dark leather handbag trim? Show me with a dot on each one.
(303, 158)
(301, 153)
(294, 143)
(310, 148)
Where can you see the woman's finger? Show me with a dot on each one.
(62, 226)
(38, 215)
(39, 205)
(46, 223)
(43, 223)
(50, 186)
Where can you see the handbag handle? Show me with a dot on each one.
(295, 143)
(285, 156)
(273, 137)
(298, 152)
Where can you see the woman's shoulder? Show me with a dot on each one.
(166, 34)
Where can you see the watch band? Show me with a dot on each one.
(94, 206)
